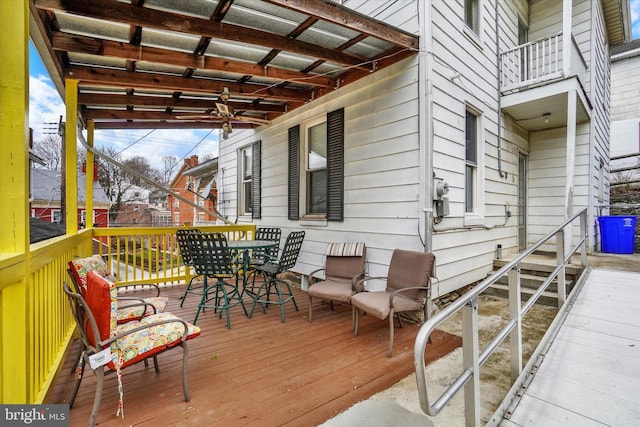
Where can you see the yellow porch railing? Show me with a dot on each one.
(34, 307)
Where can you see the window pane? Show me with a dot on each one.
(470, 138)
(317, 192)
(317, 147)
(471, 14)
(247, 164)
(247, 196)
(469, 189)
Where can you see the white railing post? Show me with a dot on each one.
(470, 360)
(515, 337)
(583, 236)
(562, 293)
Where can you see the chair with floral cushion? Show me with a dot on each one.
(112, 347)
(130, 308)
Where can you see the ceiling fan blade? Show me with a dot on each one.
(254, 120)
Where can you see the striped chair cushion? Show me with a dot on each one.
(345, 249)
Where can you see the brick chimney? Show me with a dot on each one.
(191, 161)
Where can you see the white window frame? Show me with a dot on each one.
(245, 153)
(305, 169)
(476, 215)
(56, 213)
(176, 218)
(136, 208)
(474, 32)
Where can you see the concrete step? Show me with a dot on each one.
(531, 281)
(538, 268)
(533, 272)
(502, 291)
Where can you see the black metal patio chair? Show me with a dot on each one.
(272, 285)
(213, 261)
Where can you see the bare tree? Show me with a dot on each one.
(116, 181)
(49, 150)
(169, 162)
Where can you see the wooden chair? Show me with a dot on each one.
(212, 260)
(272, 284)
(344, 267)
(125, 344)
(408, 289)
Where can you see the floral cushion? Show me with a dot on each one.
(100, 296)
(145, 343)
(134, 309)
(81, 266)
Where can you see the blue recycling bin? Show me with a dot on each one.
(617, 233)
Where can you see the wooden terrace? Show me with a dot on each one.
(261, 372)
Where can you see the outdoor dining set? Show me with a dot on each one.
(118, 331)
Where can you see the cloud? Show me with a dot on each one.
(45, 106)
(635, 19)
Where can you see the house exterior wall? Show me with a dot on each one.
(182, 213)
(384, 159)
(45, 213)
(625, 104)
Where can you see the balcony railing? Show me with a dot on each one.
(37, 326)
(539, 62)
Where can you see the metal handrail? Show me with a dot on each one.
(472, 357)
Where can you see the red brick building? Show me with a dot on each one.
(196, 182)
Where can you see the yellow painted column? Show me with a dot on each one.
(90, 171)
(71, 156)
(14, 210)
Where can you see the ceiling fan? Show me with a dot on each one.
(225, 112)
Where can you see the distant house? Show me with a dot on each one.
(197, 182)
(138, 209)
(46, 195)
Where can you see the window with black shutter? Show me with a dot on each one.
(316, 168)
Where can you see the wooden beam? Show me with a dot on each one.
(115, 11)
(167, 125)
(347, 18)
(157, 101)
(126, 79)
(95, 46)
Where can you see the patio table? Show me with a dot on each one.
(246, 246)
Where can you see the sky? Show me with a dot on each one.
(46, 107)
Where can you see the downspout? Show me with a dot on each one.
(499, 119)
(425, 117)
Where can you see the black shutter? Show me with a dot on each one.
(335, 165)
(294, 173)
(256, 181)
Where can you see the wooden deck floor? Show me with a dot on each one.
(590, 376)
(261, 372)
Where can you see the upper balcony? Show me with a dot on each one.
(540, 62)
(535, 78)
